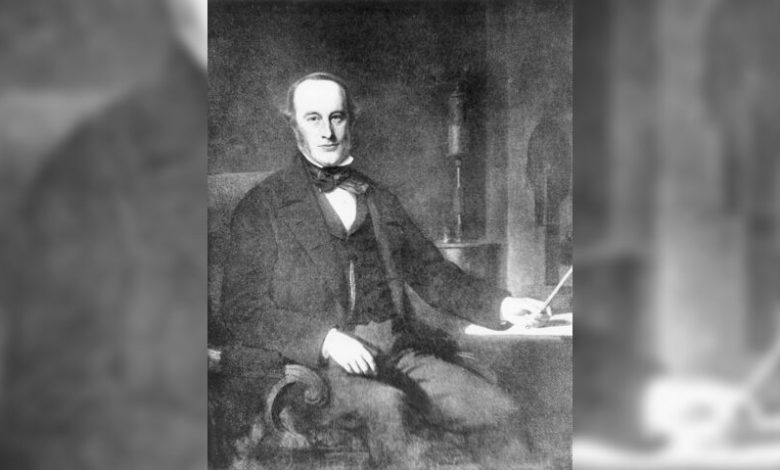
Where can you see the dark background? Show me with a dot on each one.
(403, 60)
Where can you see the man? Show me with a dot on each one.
(319, 258)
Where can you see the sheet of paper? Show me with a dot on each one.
(559, 325)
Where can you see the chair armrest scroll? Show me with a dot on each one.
(316, 393)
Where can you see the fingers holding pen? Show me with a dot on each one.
(525, 311)
(540, 318)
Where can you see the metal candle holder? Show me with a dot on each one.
(456, 150)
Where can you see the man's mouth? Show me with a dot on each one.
(329, 146)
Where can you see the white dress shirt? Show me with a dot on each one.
(345, 205)
(343, 202)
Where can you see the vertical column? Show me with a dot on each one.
(496, 120)
(525, 256)
(538, 51)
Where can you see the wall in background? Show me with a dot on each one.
(536, 57)
(403, 59)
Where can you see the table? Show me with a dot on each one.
(535, 367)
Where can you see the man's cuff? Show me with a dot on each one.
(504, 309)
(323, 349)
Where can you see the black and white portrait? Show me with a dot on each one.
(389, 234)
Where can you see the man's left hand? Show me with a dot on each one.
(524, 311)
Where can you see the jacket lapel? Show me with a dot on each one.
(299, 210)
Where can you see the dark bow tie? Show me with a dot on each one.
(329, 178)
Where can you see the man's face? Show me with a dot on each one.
(321, 123)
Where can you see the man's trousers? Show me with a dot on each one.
(414, 389)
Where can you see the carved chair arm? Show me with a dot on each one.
(315, 393)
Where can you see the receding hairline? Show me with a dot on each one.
(322, 77)
(310, 80)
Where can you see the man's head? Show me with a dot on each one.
(321, 113)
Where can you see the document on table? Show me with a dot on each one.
(559, 325)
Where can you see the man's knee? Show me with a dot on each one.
(503, 405)
(368, 400)
(500, 406)
(388, 403)
(482, 405)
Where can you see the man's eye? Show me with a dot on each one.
(312, 118)
(338, 118)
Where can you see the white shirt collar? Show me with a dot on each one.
(346, 162)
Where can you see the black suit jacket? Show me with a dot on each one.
(282, 281)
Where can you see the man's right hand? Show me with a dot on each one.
(348, 353)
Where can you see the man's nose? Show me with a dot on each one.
(326, 129)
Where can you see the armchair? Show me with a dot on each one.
(292, 390)
(291, 387)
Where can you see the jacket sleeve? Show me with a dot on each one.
(248, 308)
(441, 283)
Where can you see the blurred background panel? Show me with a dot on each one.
(84, 43)
(676, 203)
(98, 313)
(61, 62)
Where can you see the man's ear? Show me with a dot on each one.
(296, 132)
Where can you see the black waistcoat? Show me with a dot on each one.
(367, 296)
